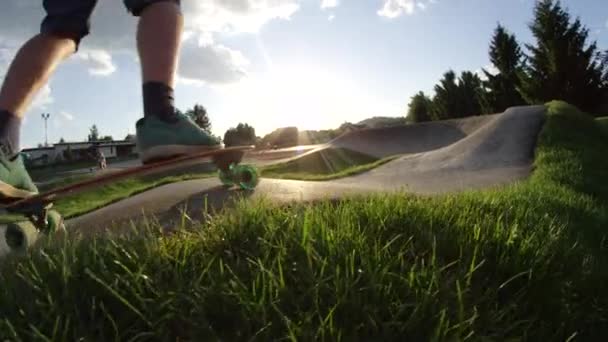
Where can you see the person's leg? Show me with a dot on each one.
(163, 133)
(67, 22)
(31, 69)
(158, 41)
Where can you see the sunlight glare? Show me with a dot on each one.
(303, 96)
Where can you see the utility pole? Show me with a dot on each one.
(45, 117)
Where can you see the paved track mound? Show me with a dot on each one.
(497, 149)
(437, 157)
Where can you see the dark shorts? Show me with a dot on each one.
(71, 18)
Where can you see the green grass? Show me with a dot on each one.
(525, 262)
(56, 183)
(323, 165)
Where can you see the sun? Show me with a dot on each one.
(305, 96)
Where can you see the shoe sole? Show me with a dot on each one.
(172, 151)
(10, 192)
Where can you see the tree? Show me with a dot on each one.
(502, 88)
(445, 101)
(61, 140)
(470, 94)
(199, 115)
(130, 137)
(282, 137)
(419, 108)
(93, 133)
(107, 138)
(457, 98)
(243, 134)
(562, 64)
(604, 105)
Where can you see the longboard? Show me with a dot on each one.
(40, 218)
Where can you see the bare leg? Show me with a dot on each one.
(158, 42)
(31, 69)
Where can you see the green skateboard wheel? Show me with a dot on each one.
(20, 236)
(227, 176)
(247, 176)
(54, 222)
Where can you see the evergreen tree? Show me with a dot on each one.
(445, 101)
(199, 115)
(502, 88)
(470, 94)
(93, 133)
(562, 65)
(243, 134)
(457, 98)
(419, 108)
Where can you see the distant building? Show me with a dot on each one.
(78, 151)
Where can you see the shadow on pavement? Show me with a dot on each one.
(195, 208)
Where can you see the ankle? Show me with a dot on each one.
(159, 101)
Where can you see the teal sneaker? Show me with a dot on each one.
(15, 181)
(157, 139)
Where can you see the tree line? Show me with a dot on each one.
(561, 64)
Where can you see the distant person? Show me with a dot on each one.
(161, 133)
(101, 160)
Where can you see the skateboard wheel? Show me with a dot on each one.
(20, 236)
(54, 222)
(227, 176)
(247, 176)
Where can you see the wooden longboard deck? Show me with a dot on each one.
(230, 154)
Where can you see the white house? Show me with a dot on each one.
(79, 151)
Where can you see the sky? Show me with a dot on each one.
(313, 64)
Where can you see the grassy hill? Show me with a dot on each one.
(527, 261)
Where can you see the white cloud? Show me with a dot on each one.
(235, 15)
(113, 31)
(42, 99)
(329, 3)
(211, 63)
(395, 8)
(67, 116)
(99, 62)
(6, 55)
